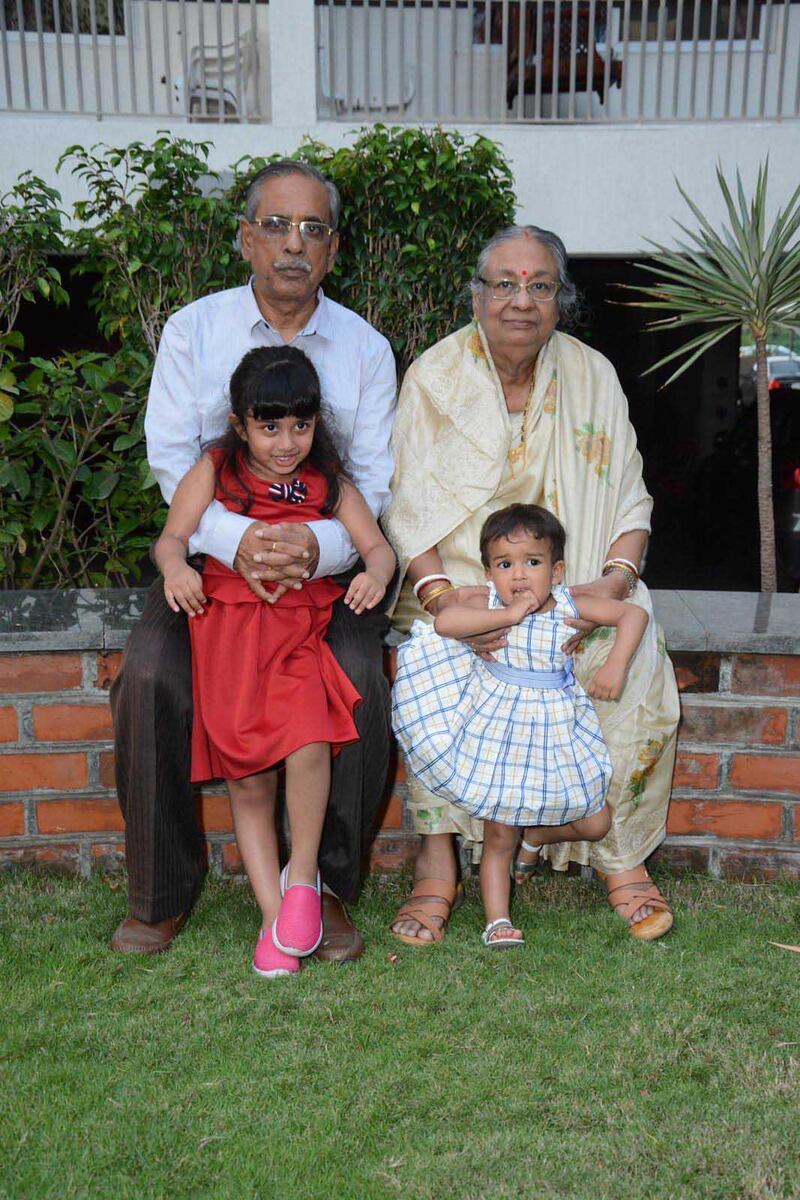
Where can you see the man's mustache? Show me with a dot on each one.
(292, 264)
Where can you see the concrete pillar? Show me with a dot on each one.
(293, 65)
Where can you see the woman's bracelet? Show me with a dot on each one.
(427, 579)
(626, 569)
(625, 562)
(435, 593)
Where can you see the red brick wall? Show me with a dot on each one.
(58, 806)
(736, 797)
(735, 807)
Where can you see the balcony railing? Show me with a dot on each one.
(201, 60)
(487, 61)
(558, 60)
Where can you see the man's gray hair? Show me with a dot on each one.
(567, 298)
(290, 166)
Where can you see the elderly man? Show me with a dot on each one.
(289, 238)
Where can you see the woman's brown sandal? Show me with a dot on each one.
(430, 905)
(641, 893)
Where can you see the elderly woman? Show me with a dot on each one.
(509, 410)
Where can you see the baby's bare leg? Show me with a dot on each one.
(586, 829)
(498, 847)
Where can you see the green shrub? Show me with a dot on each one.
(77, 503)
(31, 232)
(155, 233)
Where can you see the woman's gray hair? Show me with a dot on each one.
(291, 166)
(567, 298)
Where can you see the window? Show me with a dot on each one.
(69, 14)
(669, 16)
(655, 14)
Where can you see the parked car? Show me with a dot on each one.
(783, 371)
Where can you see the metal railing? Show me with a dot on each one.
(200, 59)
(557, 60)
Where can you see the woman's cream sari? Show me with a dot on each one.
(451, 447)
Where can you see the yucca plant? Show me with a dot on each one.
(745, 275)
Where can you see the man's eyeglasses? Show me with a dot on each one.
(278, 227)
(538, 289)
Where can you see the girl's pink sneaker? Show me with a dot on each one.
(297, 929)
(271, 962)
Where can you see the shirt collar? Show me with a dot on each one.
(320, 322)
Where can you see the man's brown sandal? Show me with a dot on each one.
(432, 901)
(641, 892)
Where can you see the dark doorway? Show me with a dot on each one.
(697, 446)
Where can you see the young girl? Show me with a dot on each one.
(516, 741)
(267, 688)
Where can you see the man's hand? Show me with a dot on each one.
(613, 586)
(283, 554)
(484, 644)
(183, 588)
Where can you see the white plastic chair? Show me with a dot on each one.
(220, 74)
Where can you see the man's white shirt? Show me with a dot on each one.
(189, 405)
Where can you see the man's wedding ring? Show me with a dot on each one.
(274, 547)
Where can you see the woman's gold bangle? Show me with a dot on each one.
(623, 564)
(631, 577)
(435, 593)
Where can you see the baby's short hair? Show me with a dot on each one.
(532, 518)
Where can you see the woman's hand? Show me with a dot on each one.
(484, 644)
(364, 592)
(613, 586)
(183, 588)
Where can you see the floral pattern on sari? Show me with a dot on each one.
(475, 345)
(595, 446)
(551, 395)
(648, 757)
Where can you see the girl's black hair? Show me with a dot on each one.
(269, 383)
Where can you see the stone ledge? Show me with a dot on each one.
(102, 618)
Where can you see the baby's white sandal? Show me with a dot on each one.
(504, 941)
(522, 871)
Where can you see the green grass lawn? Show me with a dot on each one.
(584, 1065)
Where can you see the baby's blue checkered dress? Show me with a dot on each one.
(506, 753)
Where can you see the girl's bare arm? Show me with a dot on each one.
(182, 585)
(368, 587)
(466, 621)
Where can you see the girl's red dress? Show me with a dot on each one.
(265, 681)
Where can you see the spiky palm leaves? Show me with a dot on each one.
(745, 275)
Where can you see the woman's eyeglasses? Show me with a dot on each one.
(277, 227)
(538, 289)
